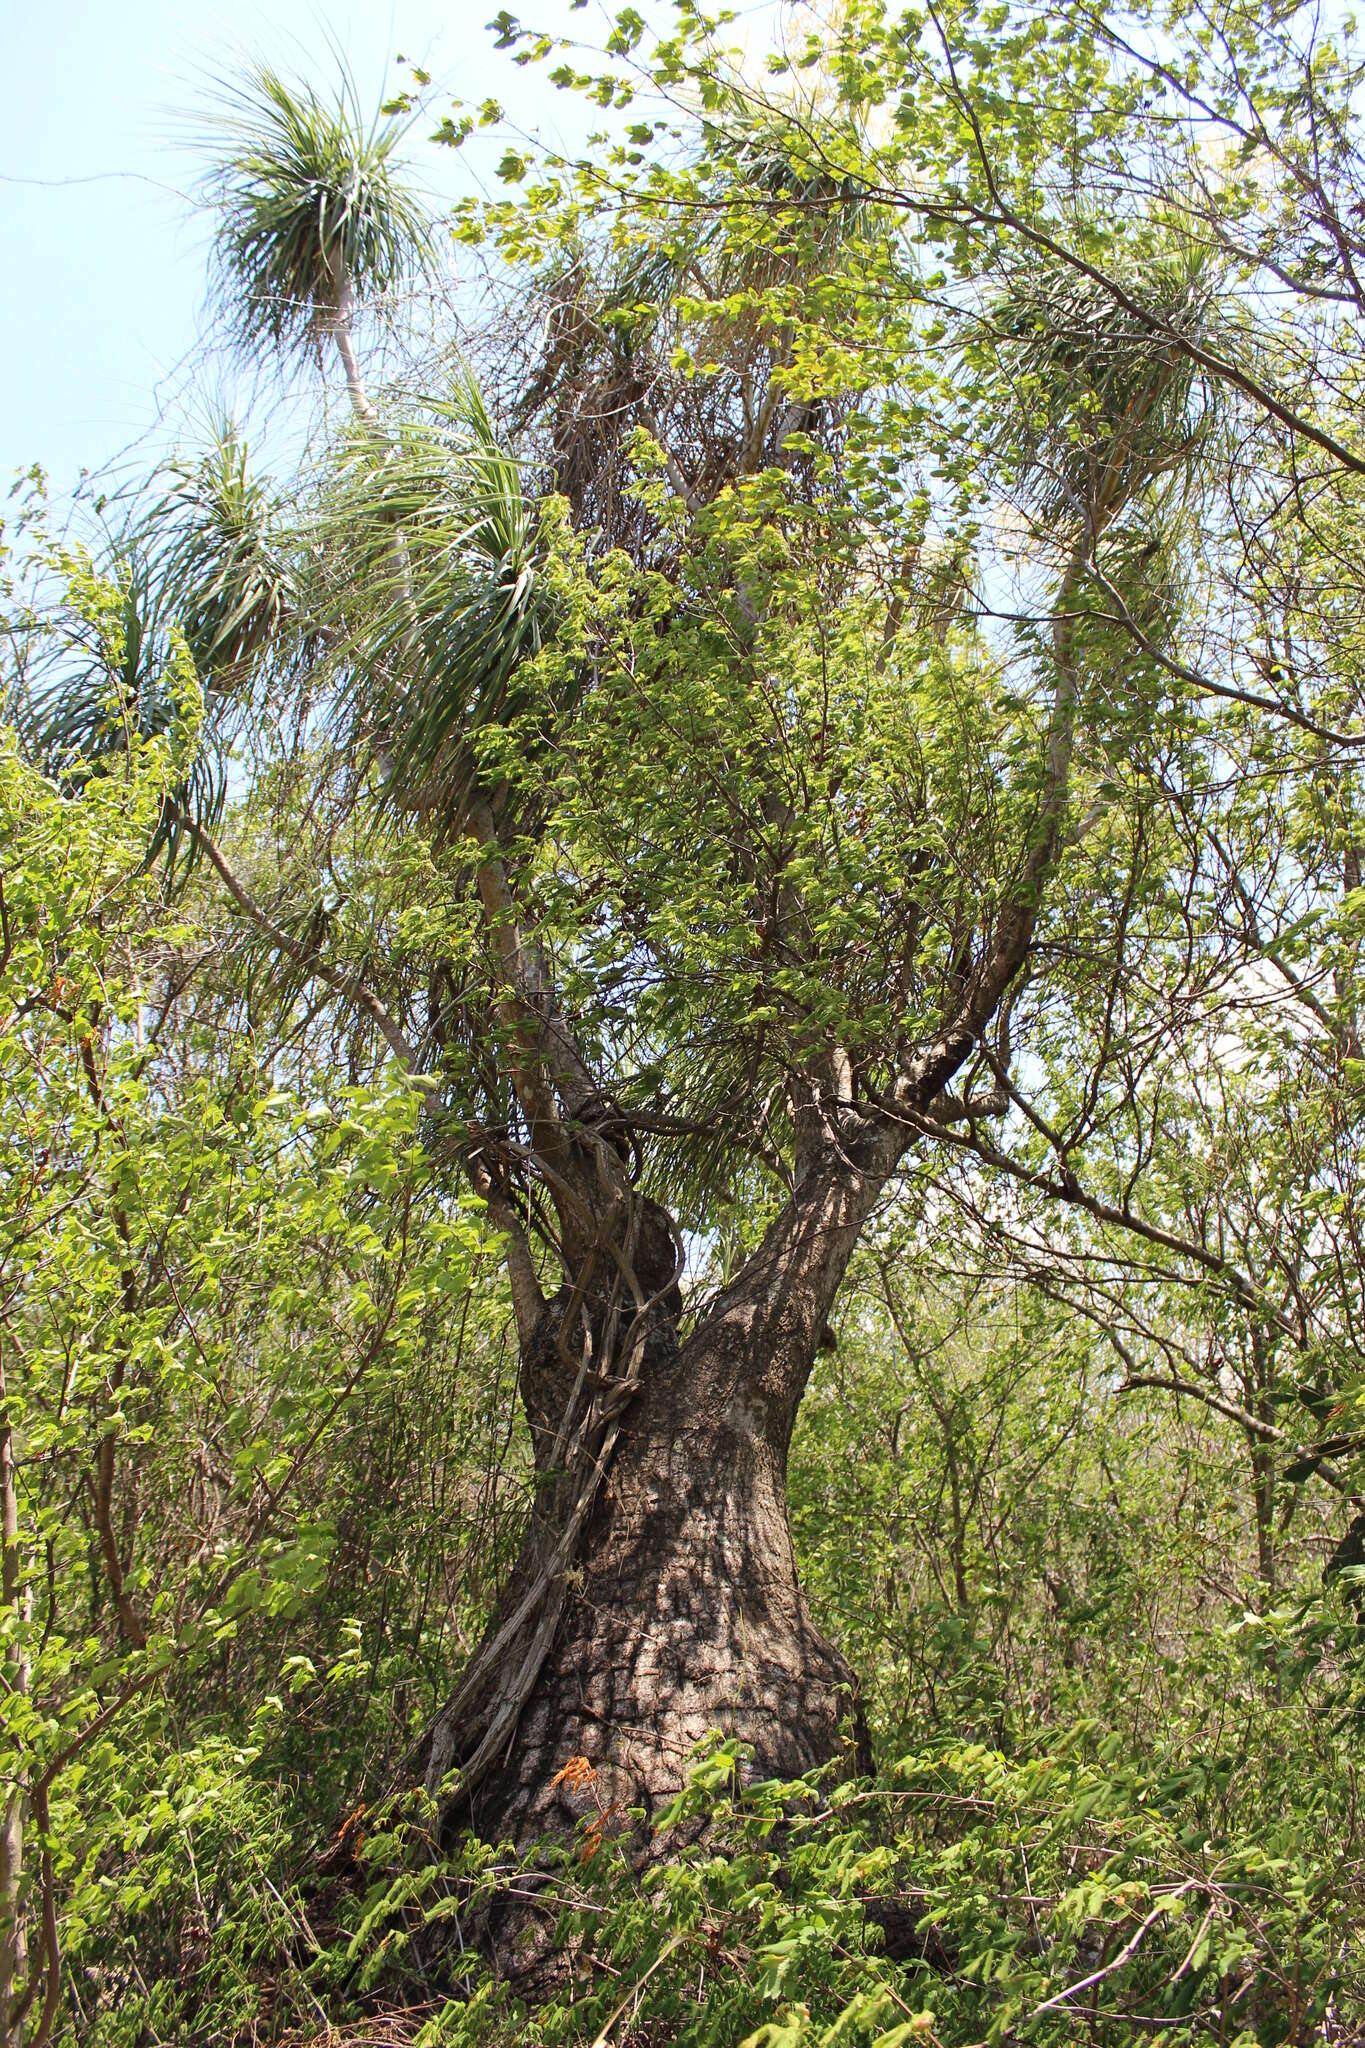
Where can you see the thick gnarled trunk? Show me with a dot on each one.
(684, 1613)
(679, 1609)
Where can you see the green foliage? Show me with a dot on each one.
(439, 622)
(311, 206)
(173, 1219)
(217, 543)
(961, 1897)
(108, 670)
(910, 494)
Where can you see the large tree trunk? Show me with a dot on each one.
(684, 1611)
(678, 1609)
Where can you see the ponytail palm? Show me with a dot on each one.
(418, 596)
(424, 588)
(434, 587)
(440, 622)
(313, 212)
(206, 574)
(114, 676)
(1104, 390)
(221, 550)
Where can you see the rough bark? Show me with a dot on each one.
(679, 1610)
(684, 1611)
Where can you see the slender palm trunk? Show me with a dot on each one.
(342, 327)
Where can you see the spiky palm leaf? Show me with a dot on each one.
(1100, 381)
(107, 684)
(797, 192)
(311, 206)
(216, 537)
(206, 561)
(442, 596)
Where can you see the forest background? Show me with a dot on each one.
(710, 932)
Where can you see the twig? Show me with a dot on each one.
(1125, 1954)
(664, 1953)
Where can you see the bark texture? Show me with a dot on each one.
(680, 1609)
(684, 1611)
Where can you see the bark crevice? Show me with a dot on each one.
(658, 1599)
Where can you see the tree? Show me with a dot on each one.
(709, 817)
(775, 852)
(726, 931)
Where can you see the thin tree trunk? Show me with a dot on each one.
(342, 326)
(1263, 1494)
(13, 1946)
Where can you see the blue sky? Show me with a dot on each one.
(104, 279)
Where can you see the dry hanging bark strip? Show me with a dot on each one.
(543, 1603)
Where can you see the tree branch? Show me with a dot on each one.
(351, 987)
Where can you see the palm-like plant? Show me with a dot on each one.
(108, 682)
(1107, 387)
(206, 566)
(218, 543)
(430, 597)
(313, 216)
(436, 595)
(441, 599)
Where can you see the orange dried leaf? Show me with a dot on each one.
(576, 1773)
